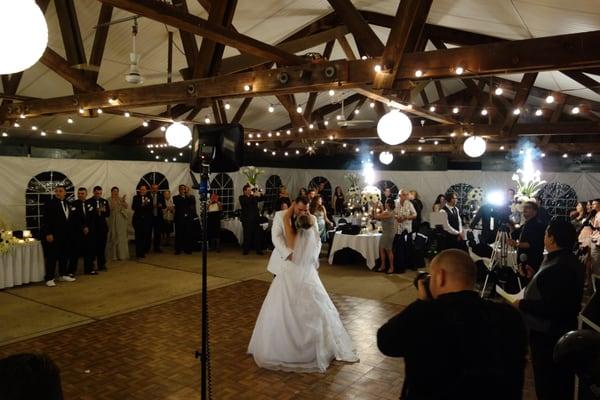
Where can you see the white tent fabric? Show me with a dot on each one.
(15, 173)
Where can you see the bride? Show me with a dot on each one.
(298, 328)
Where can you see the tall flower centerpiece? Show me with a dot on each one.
(529, 183)
(474, 199)
(353, 190)
(252, 173)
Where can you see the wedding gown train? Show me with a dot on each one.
(298, 327)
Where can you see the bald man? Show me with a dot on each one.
(456, 345)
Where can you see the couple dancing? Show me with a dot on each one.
(298, 327)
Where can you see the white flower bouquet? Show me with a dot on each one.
(475, 195)
(252, 173)
(371, 194)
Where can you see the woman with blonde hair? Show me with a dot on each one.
(318, 210)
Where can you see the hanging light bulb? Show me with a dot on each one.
(23, 35)
(227, 106)
(455, 110)
(539, 112)
(575, 110)
(498, 91)
(127, 115)
(394, 127)
(178, 135)
(299, 110)
(70, 120)
(484, 112)
(386, 157)
(550, 99)
(418, 73)
(59, 131)
(432, 108)
(517, 111)
(459, 70)
(474, 146)
(271, 108)
(145, 124)
(207, 120)
(356, 112)
(372, 104)
(163, 128)
(331, 92)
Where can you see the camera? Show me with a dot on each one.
(423, 276)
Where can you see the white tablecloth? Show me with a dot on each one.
(23, 263)
(234, 226)
(367, 245)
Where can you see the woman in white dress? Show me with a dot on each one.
(299, 328)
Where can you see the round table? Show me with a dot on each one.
(365, 244)
(23, 263)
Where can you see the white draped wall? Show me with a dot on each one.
(15, 173)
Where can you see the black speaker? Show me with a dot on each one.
(220, 146)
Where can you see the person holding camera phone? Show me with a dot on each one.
(455, 344)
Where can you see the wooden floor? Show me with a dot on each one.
(149, 353)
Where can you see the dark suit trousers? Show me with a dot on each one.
(82, 246)
(143, 236)
(157, 228)
(551, 381)
(99, 238)
(57, 251)
(252, 235)
(184, 236)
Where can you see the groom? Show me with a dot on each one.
(282, 253)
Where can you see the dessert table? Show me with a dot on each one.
(23, 263)
(366, 244)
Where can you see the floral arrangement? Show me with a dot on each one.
(7, 241)
(353, 190)
(529, 183)
(371, 194)
(252, 173)
(475, 195)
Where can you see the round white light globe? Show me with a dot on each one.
(386, 157)
(394, 128)
(178, 135)
(23, 35)
(474, 146)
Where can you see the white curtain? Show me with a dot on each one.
(15, 173)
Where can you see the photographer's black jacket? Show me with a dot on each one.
(458, 346)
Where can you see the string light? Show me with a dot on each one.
(371, 152)
(419, 148)
(453, 134)
(127, 115)
(277, 133)
(501, 147)
(330, 137)
(299, 110)
(550, 99)
(258, 135)
(269, 134)
(432, 108)
(326, 122)
(357, 149)
(543, 155)
(163, 128)
(42, 133)
(331, 92)
(575, 110)
(285, 154)
(402, 151)
(271, 108)
(256, 144)
(248, 144)
(247, 88)
(157, 157)
(227, 106)
(517, 111)
(113, 101)
(174, 159)
(498, 91)
(588, 155)
(372, 104)
(16, 125)
(311, 126)
(166, 160)
(70, 120)
(151, 151)
(459, 70)
(363, 58)
(436, 142)
(338, 117)
(539, 112)
(300, 130)
(288, 132)
(418, 73)
(344, 145)
(377, 68)
(310, 149)
(145, 124)
(565, 155)
(484, 112)
(59, 132)
(455, 110)
(207, 120)
(34, 128)
(356, 112)
(297, 151)
(265, 150)
(100, 111)
(81, 110)
(23, 116)
(4, 134)
(322, 142)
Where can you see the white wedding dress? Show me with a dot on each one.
(298, 327)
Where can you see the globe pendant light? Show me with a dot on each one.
(23, 35)
(474, 146)
(386, 157)
(178, 135)
(394, 128)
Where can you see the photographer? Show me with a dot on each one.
(455, 344)
(530, 246)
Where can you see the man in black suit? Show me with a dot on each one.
(250, 214)
(550, 307)
(185, 213)
(531, 239)
(455, 344)
(55, 237)
(158, 205)
(81, 235)
(99, 227)
(142, 221)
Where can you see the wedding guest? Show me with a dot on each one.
(453, 224)
(118, 243)
(595, 239)
(405, 214)
(387, 194)
(158, 206)
(25, 376)
(318, 210)
(311, 194)
(388, 227)
(440, 202)
(324, 197)
(449, 334)
(214, 222)
(282, 196)
(531, 239)
(413, 196)
(168, 216)
(339, 201)
(185, 213)
(142, 221)
(250, 215)
(99, 227)
(550, 307)
(579, 216)
(284, 206)
(82, 243)
(55, 237)
(302, 192)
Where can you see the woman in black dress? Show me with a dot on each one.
(339, 202)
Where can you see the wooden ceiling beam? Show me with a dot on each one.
(367, 41)
(357, 107)
(312, 97)
(584, 80)
(188, 40)
(169, 15)
(100, 41)
(404, 36)
(289, 103)
(75, 77)
(519, 101)
(241, 111)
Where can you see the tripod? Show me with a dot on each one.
(204, 353)
(501, 258)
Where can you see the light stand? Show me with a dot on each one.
(204, 353)
(501, 258)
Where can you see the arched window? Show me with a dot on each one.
(222, 185)
(388, 184)
(316, 183)
(272, 191)
(154, 178)
(462, 190)
(40, 189)
(558, 199)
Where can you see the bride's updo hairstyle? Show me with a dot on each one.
(304, 222)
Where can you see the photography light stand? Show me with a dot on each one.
(204, 353)
(501, 258)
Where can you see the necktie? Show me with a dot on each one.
(83, 208)
(98, 206)
(65, 208)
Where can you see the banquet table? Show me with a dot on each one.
(365, 244)
(23, 263)
(234, 225)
